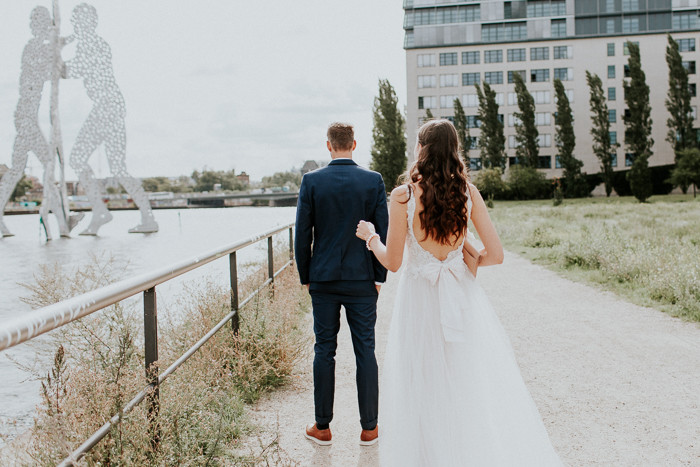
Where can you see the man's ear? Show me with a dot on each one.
(354, 144)
(328, 145)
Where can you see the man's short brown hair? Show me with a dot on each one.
(341, 136)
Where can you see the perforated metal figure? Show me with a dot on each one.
(37, 65)
(105, 123)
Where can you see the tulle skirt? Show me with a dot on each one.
(454, 403)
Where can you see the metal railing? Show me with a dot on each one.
(52, 317)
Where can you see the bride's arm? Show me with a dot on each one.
(493, 250)
(391, 254)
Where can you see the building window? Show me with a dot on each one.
(427, 102)
(539, 53)
(493, 56)
(612, 94)
(470, 100)
(499, 98)
(513, 161)
(544, 141)
(570, 95)
(539, 76)
(610, 26)
(447, 102)
(473, 121)
(516, 55)
(493, 77)
(543, 118)
(611, 71)
(427, 81)
(557, 162)
(512, 142)
(686, 45)
(563, 51)
(629, 159)
(470, 79)
(613, 137)
(626, 49)
(425, 60)
(461, 14)
(564, 74)
(474, 163)
(559, 28)
(513, 120)
(511, 75)
(449, 81)
(449, 58)
(470, 58)
(630, 5)
(541, 8)
(409, 40)
(689, 67)
(503, 32)
(613, 161)
(474, 143)
(630, 25)
(611, 49)
(542, 97)
(544, 162)
(685, 20)
(693, 88)
(612, 115)
(626, 69)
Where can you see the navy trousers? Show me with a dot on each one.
(360, 301)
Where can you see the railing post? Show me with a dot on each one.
(270, 262)
(291, 244)
(150, 332)
(233, 269)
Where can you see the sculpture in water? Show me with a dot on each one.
(104, 125)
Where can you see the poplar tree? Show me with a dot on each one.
(462, 131)
(680, 124)
(526, 134)
(575, 185)
(492, 141)
(389, 141)
(600, 129)
(638, 126)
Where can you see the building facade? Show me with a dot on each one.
(452, 45)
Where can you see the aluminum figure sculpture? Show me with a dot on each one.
(105, 123)
(37, 66)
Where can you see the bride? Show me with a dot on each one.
(452, 394)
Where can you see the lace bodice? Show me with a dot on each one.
(419, 256)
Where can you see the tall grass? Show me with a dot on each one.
(98, 367)
(649, 253)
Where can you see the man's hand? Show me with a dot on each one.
(378, 287)
(307, 287)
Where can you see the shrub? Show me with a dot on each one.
(490, 182)
(527, 183)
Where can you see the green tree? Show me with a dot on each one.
(490, 182)
(527, 150)
(600, 130)
(680, 124)
(575, 184)
(428, 115)
(527, 182)
(492, 141)
(462, 131)
(638, 126)
(687, 169)
(389, 141)
(21, 189)
(207, 179)
(290, 178)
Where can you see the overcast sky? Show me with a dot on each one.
(223, 84)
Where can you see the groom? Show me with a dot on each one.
(339, 270)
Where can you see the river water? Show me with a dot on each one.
(184, 233)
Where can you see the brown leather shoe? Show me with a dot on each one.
(369, 437)
(322, 437)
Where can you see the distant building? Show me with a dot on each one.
(309, 166)
(244, 178)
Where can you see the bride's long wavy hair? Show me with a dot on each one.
(443, 178)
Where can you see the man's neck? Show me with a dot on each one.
(341, 155)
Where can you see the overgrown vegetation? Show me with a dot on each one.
(648, 253)
(98, 368)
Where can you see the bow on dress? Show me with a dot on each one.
(452, 302)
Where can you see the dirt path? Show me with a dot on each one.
(616, 384)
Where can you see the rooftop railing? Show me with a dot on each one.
(35, 323)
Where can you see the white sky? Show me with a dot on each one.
(244, 85)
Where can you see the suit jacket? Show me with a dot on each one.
(332, 200)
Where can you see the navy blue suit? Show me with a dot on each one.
(341, 272)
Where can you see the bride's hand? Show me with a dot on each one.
(364, 230)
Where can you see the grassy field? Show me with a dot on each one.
(648, 253)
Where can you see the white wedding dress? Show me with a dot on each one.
(452, 393)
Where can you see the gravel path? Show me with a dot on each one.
(616, 383)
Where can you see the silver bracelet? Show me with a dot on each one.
(369, 239)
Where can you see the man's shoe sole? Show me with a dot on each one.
(369, 443)
(318, 441)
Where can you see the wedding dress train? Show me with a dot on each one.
(452, 393)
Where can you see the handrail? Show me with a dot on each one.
(54, 316)
(35, 323)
